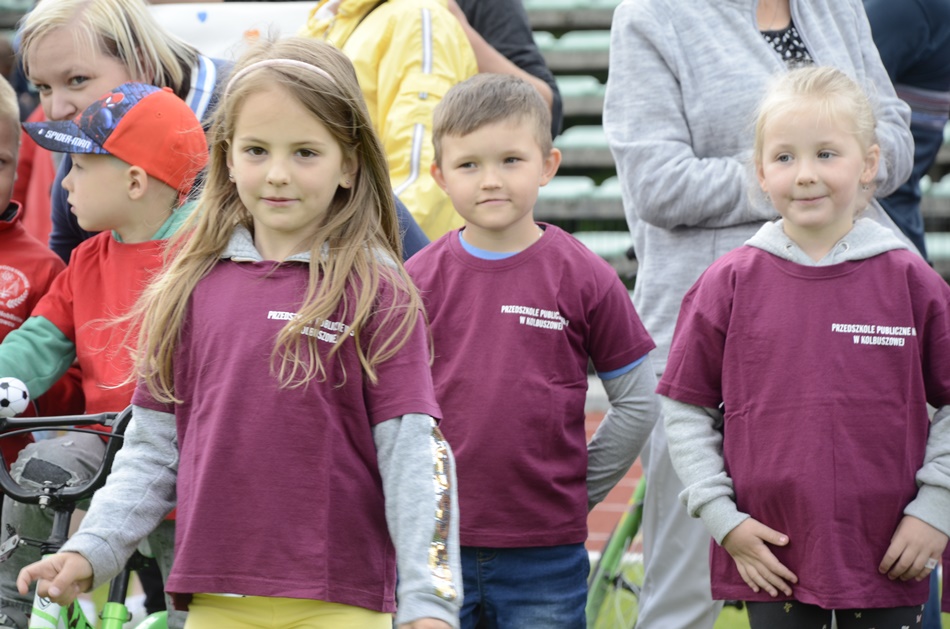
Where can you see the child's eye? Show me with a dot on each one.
(255, 151)
(306, 153)
(783, 158)
(824, 154)
(466, 165)
(76, 81)
(512, 160)
(42, 88)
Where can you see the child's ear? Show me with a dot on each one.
(551, 163)
(350, 167)
(437, 175)
(760, 175)
(872, 160)
(136, 182)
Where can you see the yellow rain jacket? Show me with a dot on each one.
(407, 54)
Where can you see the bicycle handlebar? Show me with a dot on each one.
(65, 494)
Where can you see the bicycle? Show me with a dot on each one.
(613, 588)
(60, 498)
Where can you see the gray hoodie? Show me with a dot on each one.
(140, 492)
(685, 80)
(695, 436)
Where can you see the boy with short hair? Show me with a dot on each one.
(27, 267)
(135, 152)
(27, 270)
(517, 309)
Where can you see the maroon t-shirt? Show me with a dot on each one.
(825, 373)
(512, 339)
(279, 492)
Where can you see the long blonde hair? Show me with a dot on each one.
(355, 248)
(123, 29)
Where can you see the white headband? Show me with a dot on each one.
(277, 62)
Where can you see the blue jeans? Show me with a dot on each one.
(932, 608)
(524, 588)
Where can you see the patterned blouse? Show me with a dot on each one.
(788, 44)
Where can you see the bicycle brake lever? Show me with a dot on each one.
(9, 547)
(13, 542)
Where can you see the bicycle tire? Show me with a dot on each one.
(612, 588)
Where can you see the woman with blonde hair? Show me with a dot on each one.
(74, 51)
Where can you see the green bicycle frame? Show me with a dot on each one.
(611, 560)
(49, 615)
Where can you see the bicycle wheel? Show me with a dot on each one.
(614, 585)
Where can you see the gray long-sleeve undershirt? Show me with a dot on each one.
(140, 492)
(634, 409)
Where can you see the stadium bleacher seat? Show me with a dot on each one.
(583, 95)
(578, 51)
(612, 246)
(570, 14)
(559, 200)
(938, 245)
(584, 146)
(544, 40)
(577, 198)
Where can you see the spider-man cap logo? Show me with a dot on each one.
(140, 124)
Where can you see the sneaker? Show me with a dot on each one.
(13, 619)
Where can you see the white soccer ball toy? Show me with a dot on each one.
(14, 397)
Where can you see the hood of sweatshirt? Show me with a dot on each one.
(865, 240)
(241, 248)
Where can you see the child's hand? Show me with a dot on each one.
(912, 545)
(426, 623)
(756, 563)
(64, 576)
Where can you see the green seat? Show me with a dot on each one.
(608, 189)
(579, 51)
(579, 86)
(584, 41)
(567, 188)
(938, 245)
(544, 40)
(607, 245)
(582, 137)
(940, 189)
(556, 5)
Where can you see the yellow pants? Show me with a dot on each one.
(213, 611)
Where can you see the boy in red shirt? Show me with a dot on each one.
(135, 152)
(27, 269)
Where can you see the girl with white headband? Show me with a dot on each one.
(284, 383)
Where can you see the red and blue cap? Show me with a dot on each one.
(141, 125)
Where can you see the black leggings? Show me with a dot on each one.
(796, 615)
